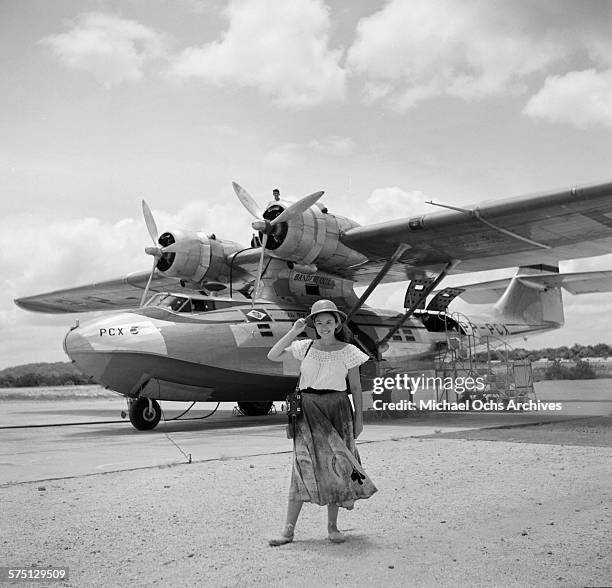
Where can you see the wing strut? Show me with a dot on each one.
(476, 213)
(417, 293)
(401, 248)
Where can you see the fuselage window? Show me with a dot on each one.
(408, 334)
(312, 290)
(202, 305)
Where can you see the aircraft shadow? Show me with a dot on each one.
(181, 426)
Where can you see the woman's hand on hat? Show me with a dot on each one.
(298, 326)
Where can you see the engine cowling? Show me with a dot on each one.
(197, 258)
(312, 237)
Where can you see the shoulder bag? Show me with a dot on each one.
(294, 405)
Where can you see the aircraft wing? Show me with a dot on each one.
(575, 283)
(536, 229)
(533, 229)
(124, 292)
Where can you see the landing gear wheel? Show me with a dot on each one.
(144, 413)
(255, 408)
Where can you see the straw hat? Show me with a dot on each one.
(321, 306)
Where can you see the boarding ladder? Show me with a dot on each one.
(486, 357)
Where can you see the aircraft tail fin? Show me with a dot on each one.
(533, 294)
(529, 299)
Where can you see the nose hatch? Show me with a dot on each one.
(74, 343)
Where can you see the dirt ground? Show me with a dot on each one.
(505, 507)
(591, 431)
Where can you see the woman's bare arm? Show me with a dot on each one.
(278, 350)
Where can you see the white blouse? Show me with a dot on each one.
(326, 370)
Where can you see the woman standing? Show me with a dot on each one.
(326, 465)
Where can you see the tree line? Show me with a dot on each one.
(574, 353)
(43, 374)
(33, 380)
(557, 369)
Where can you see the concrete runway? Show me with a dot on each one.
(54, 439)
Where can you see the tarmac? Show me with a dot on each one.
(510, 499)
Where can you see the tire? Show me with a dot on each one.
(255, 408)
(142, 417)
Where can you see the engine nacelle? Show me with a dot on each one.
(198, 258)
(312, 238)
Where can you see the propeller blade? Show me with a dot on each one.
(259, 269)
(150, 222)
(297, 208)
(247, 200)
(146, 290)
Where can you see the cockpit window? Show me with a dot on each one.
(175, 303)
(181, 303)
(154, 300)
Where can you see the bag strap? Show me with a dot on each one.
(307, 350)
(305, 354)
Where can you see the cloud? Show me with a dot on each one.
(285, 155)
(66, 252)
(412, 51)
(280, 48)
(111, 48)
(333, 145)
(580, 98)
(211, 218)
(392, 203)
(199, 7)
(292, 153)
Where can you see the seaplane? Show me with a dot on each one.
(198, 326)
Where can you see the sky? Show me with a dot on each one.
(384, 105)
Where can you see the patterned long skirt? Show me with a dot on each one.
(326, 464)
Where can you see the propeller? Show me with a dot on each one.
(266, 226)
(156, 251)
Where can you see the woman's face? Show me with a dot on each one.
(326, 324)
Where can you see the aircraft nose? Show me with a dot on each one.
(84, 356)
(74, 343)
